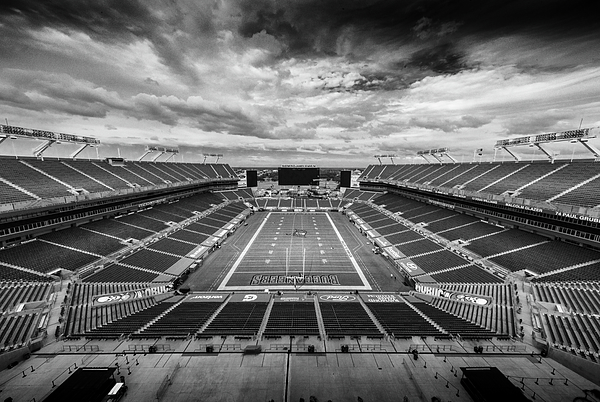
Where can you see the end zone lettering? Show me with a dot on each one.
(286, 280)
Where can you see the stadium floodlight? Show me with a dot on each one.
(437, 154)
(581, 136)
(391, 156)
(207, 155)
(49, 137)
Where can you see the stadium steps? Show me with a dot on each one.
(71, 248)
(423, 214)
(145, 269)
(505, 177)
(556, 271)
(477, 177)
(567, 191)
(164, 252)
(68, 186)
(139, 227)
(20, 268)
(487, 235)
(100, 233)
(446, 270)
(215, 314)
(457, 176)
(426, 317)
(88, 176)
(465, 316)
(455, 227)
(515, 249)
(133, 173)
(161, 315)
(440, 175)
(112, 174)
(322, 331)
(372, 316)
(265, 320)
(427, 253)
(21, 189)
(441, 219)
(517, 191)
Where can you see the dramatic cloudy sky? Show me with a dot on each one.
(331, 82)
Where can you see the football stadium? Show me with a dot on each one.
(299, 201)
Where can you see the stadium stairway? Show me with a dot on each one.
(460, 187)
(523, 187)
(567, 191)
(216, 313)
(427, 253)
(265, 320)
(161, 315)
(145, 269)
(556, 271)
(88, 176)
(71, 248)
(446, 270)
(19, 188)
(70, 188)
(372, 316)
(486, 235)
(515, 250)
(407, 300)
(502, 178)
(322, 331)
(456, 227)
(100, 233)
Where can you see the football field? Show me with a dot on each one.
(295, 251)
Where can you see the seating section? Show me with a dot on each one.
(501, 294)
(498, 319)
(184, 320)
(24, 176)
(121, 273)
(84, 240)
(401, 321)
(579, 333)
(468, 274)
(14, 293)
(17, 329)
(112, 227)
(504, 241)
(581, 274)
(9, 194)
(238, 318)
(582, 298)
(10, 274)
(128, 324)
(50, 177)
(292, 318)
(547, 257)
(439, 261)
(347, 319)
(44, 257)
(172, 246)
(453, 324)
(84, 318)
(538, 180)
(83, 293)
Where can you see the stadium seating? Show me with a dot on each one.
(580, 274)
(44, 257)
(68, 175)
(172, 246)
(17, 329)
(10, 274)
(453, 324)
(238, 318)
(504, 241)
(151, 260)
(121, 273)
(579, 298)
(292, 318)
(347, 319)
(184, 320)
(19, 173)
(9, 194)
(468, 274)
(14, 293)
(85, 240)
(401, 321)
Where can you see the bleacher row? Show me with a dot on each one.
(15, 293)
(182, 316)
(16, 329)
(76, 247)
(302, 203)
(513, 249)
(572, 183)
(27, 179)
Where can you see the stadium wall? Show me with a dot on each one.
(584, 367)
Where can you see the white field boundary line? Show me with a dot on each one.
(350, 256)
(223, 286)
(254, 288)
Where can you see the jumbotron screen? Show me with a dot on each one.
(298, 175)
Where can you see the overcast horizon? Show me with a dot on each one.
(330, 83)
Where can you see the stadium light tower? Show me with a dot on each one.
(148, 151)
(581, 136)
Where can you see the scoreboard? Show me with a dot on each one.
(298, 175)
